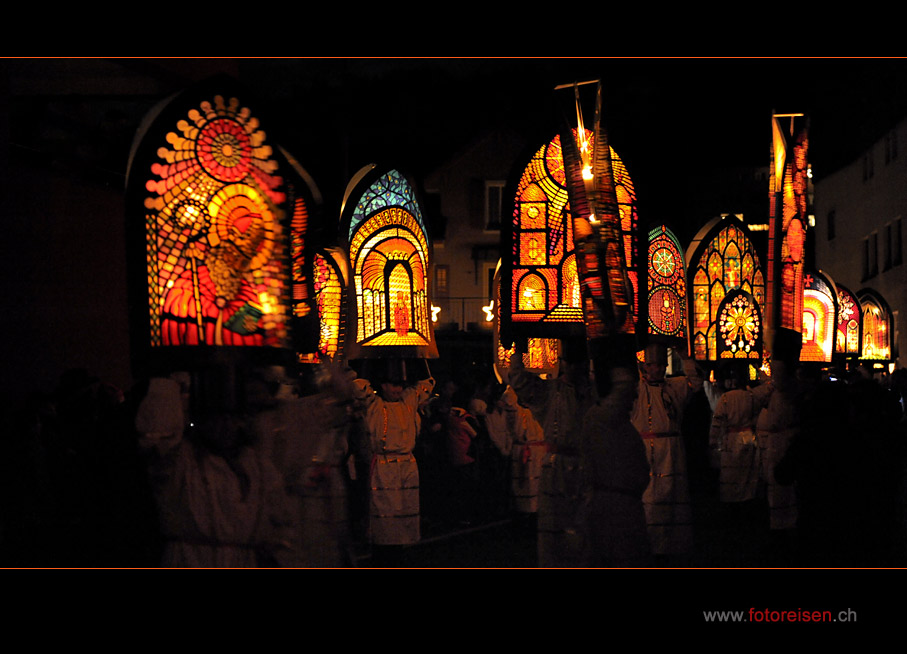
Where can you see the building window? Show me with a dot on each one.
(494, 201)
(886, 248)
(831, 225)
(891, 146)
(441, 283)
(871, 256)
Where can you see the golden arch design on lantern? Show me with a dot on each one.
(819, 318)
(532, 293)
(389, 274)
(876, 327)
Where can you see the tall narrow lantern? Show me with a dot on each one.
(666, 309)
(849, 331)
(330, 278)
(788, 181)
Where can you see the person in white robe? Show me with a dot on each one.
(393, 421)
(221, 502)
(657, 415)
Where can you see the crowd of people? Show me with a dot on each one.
(602, 465)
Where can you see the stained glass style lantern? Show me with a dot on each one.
(877, 327)
(389, 254)
(667, 293)
(541, 272)
(788, 183)
(220, 215)
(820, 306)
(330, 277)
(720, 259)
(849, 325)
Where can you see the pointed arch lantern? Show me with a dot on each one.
(666, 308)
(720, 259)
(541, 274)
(384, 230)
(218, 218)
(877, 327)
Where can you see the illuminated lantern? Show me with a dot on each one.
(720, 259)
(739, 327)
(667, 294)
(330, 279)
(876, 326)
(389, 255)
(788, 183)
(541, 272)
(849, 328)
(221, 217)
(820, 302)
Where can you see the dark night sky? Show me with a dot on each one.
(669, 119)
(664, 116)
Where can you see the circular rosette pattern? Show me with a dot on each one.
(224, 150)
(739, 325)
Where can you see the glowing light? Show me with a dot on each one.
(215, 238)
(389, 254)
(666, 284)
(542, 230)
(724, 261)
(434, 313)
(267, 302)
(489, 311)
